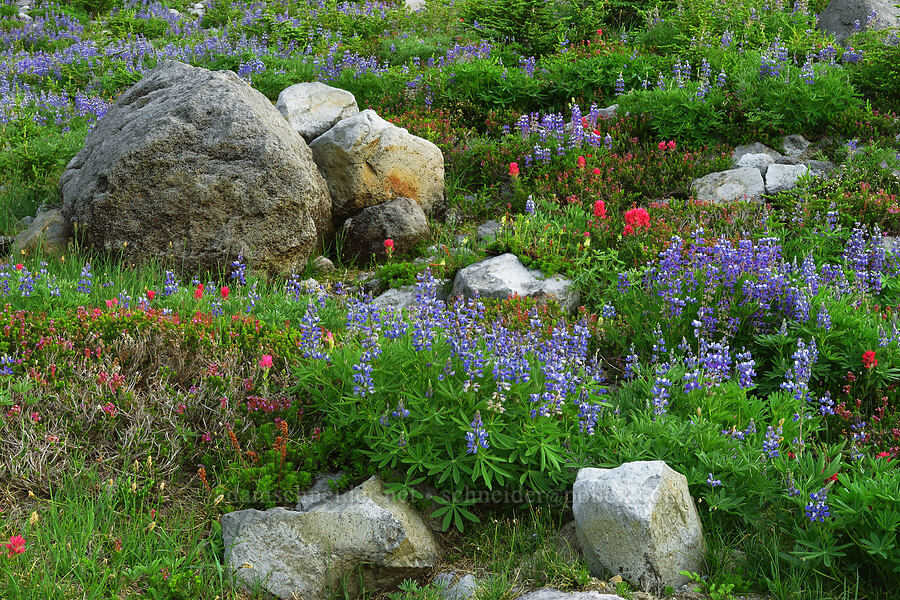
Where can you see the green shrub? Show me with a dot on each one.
(531, 25)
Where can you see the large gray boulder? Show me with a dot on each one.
(638, 521)
(401, 220)
(196, 166)
(308, 554)
(733, 184)
(313, 108)
(780, 178)
(839, 16)
(503, 276)
(368, 161)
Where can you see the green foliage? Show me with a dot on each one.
(877, 75)
(95, 7)
(531, 25)
(126, 22)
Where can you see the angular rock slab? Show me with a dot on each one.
(639, 521)
(839, 16)
(368, 161)
(313, 108)
(554, 594)
(49, 230)
(733, 184)
(306, 554)
(401, 220)
(780, 178)
(452, 588)
(503, 276)
(198, 166)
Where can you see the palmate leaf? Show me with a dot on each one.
(454, 511)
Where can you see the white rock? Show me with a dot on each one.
(368, 161)
(488, 230)
(638, 521)
(783, 177)
(734, 184)
(759, 161)
(313, 108)
(414, 5)
(503, 276)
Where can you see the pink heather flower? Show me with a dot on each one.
(671, 144)
(661, 146)
(628, 230)
(35, 416)
(207, 438)
(600, 209)
(596, 171)
(111, 303)
(581, 162)
(266, 361)
(110, 409)
(16, 545)
(513, 169)
(180, 409)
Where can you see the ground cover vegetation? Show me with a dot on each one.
(752, 346)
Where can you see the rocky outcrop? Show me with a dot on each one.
(842, 18)
(49, 232)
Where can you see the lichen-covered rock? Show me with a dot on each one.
(638, 521)
(197, 166)
(368, 161)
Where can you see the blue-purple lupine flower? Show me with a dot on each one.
(477, 437)
(6, 364)
(529, 205)
(587, 417)
(86, 281)
(797, 378)
(631, 362)
(744, 365)
(712, 481)
(609, 311)
(401, 412)
(26, 282)
(823, 319)
(772, 442)
(620, 85)
(171, 285)
(252, 297)
(660, 391)
(239, 269)
(364, 385)
(816, 508)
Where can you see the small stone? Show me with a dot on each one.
(615, 580)
(49, 230)
(820, 167)
(488, 230)
(755, 148)
(323, 264)
(456, 589)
